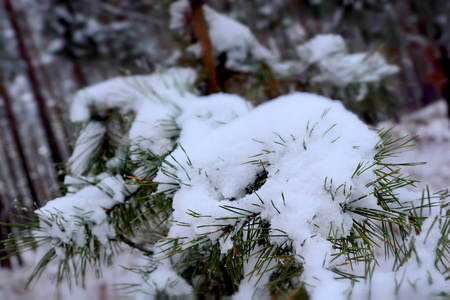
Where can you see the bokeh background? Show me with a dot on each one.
(49, 49)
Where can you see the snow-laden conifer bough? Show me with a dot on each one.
(293, 196)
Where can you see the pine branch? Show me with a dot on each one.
(202, 31)
(132, 244)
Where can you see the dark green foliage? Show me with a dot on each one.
(82, 34)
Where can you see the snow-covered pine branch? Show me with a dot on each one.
(224, 198)
(323, 64)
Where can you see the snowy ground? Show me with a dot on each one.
(433, 147)
(109, 287)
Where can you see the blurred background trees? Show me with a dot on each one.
(51, 48)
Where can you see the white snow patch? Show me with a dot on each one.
(128, 93)
(165, 279)
(344, 69)
(63, 220)
(320, 47)
(305, 141)
(329, 53)
(232, 38)
(417, 279)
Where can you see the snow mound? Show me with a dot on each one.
(301, 164)
(308, 146)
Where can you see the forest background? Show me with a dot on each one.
(49, 49)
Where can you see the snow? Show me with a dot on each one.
(90, 137)
(237, 41)
(165, 279)
(128, 93)
(309, 147)
(204, 114)
(243, 51)
(320, 47)
(432, 144)
(329, 53)
(213, 169)
(63, 220)
(153, 99)
(109, 286)
(252, 287)
(343, 69)
(436, 172)
(178, 14)
(418, 278)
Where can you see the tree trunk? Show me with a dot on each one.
(46, 118)
(41, 69)
(4, 233)
(13, 125)
(201, 29)
(445, 63)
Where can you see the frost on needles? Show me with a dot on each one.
(295, 195)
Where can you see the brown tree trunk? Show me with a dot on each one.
(46, 117)
(13, 125)
(201, 29)
(80, 78)
(4, 233)
(445, 63)
(41, 69)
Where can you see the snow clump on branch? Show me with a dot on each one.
(336, 66)
(232, 39)
(308, 147)
(300, 174)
